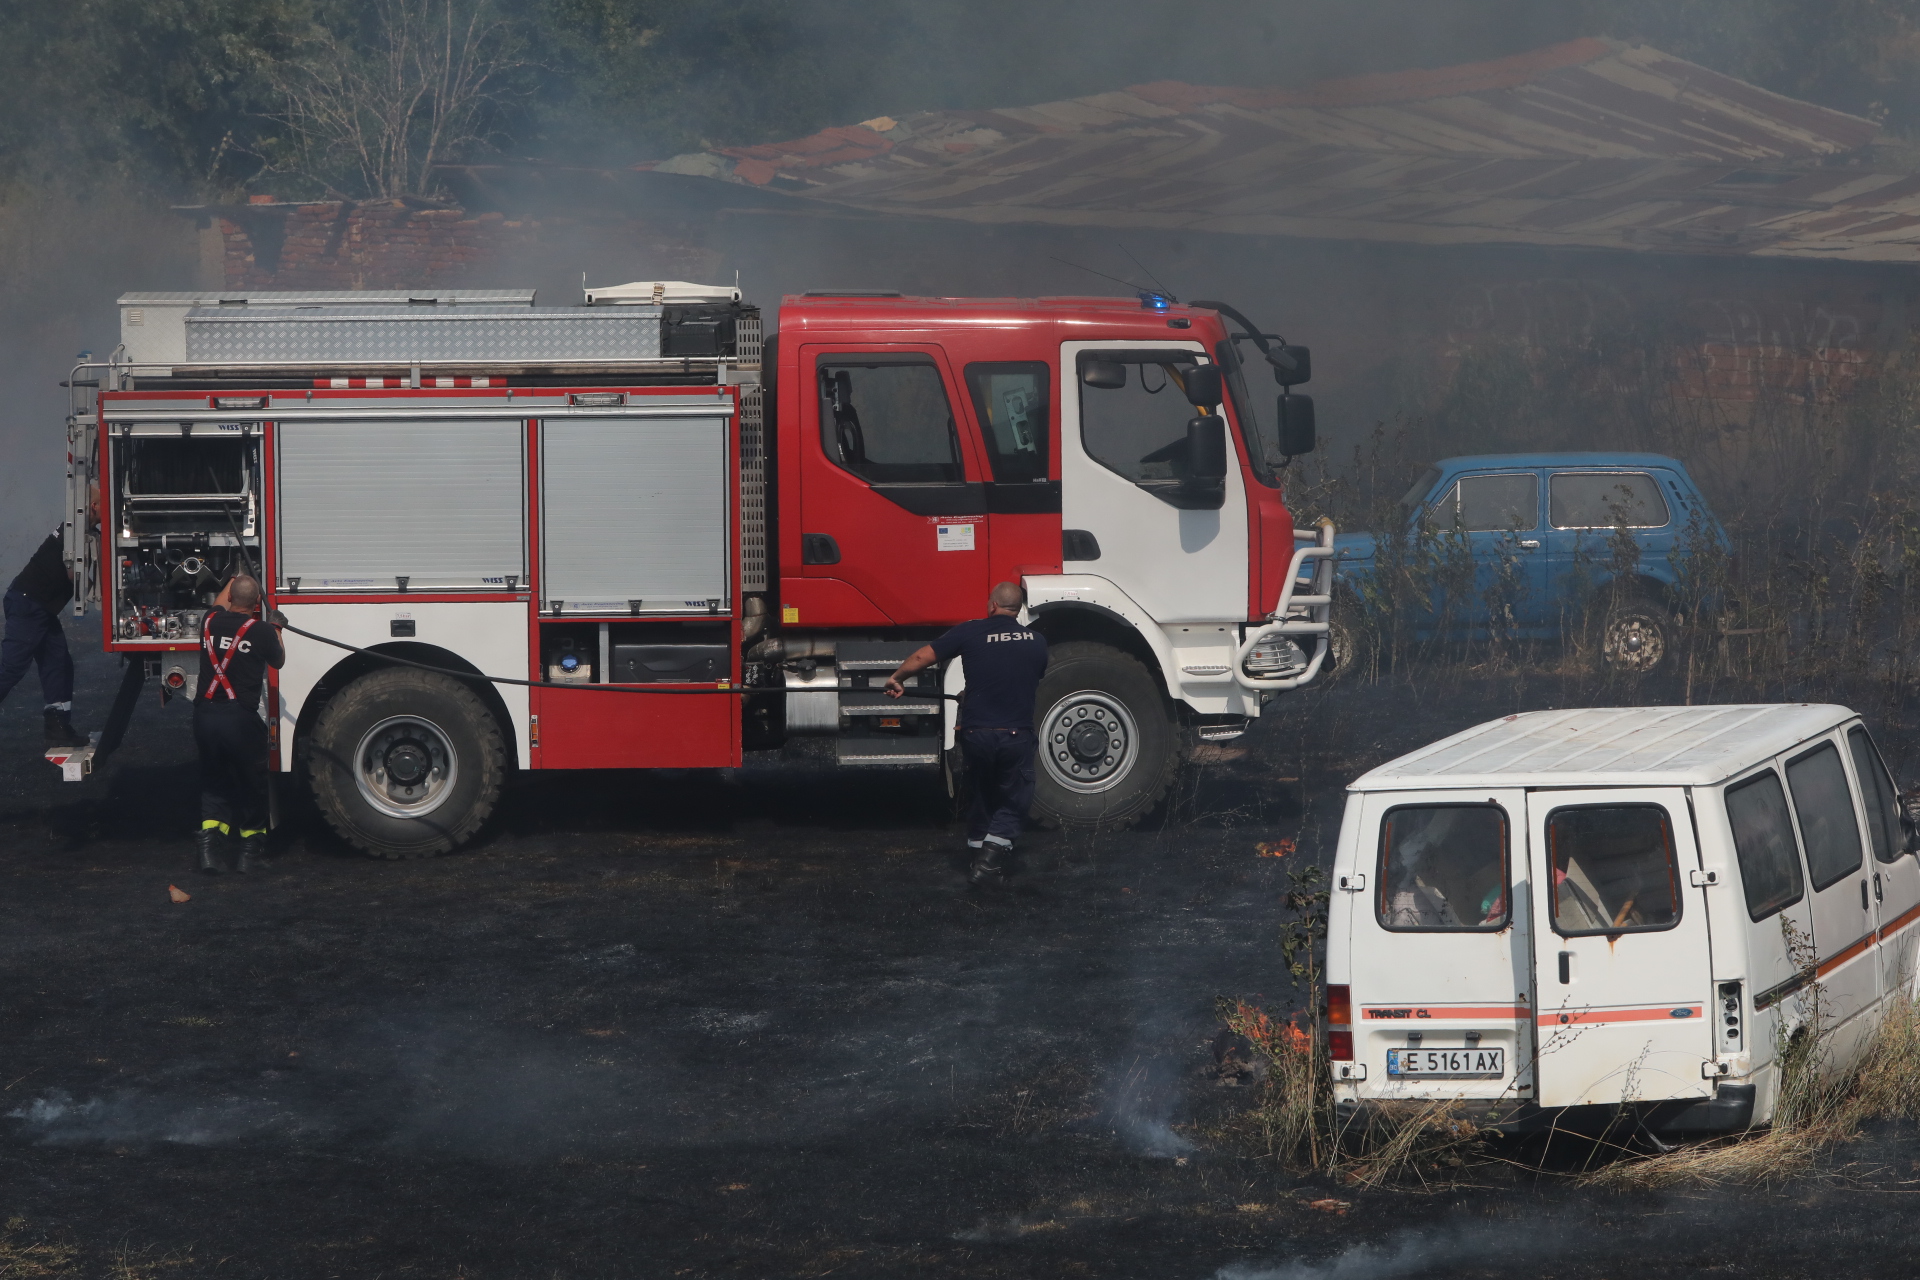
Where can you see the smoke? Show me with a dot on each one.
(1410, 1253)
(130, 1117)
(1141, 1106)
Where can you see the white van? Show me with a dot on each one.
(1579, 909)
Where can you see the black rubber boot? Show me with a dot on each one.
(209, 850)
(253, 849)
(60, 730)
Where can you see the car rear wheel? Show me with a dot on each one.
(1637, 637)
(406, 764)
(1109, 743)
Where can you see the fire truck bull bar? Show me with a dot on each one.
(1285, 621)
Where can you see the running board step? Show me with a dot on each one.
(866, 752)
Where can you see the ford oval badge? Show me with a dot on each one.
(1679, 1013)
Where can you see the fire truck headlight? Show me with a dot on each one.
(1274, 656)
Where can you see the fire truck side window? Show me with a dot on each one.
(889, 423)
(1011, 400)
(1135, 423)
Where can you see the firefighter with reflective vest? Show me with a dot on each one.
(236, 649)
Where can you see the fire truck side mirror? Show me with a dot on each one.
(1296, 425)
(1107, 375)
(1203, 386)
(1207, 449)
(1294, 366)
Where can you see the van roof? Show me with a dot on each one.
(1608, 746)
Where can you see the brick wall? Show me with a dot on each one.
(375, 244)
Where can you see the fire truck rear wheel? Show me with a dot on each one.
(1109, 740)
(407, 764)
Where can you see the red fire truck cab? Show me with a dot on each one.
(634, 534)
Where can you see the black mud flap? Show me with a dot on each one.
(1730, 1110)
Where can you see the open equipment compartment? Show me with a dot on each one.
(184, 501)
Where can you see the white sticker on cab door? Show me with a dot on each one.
(953, 537)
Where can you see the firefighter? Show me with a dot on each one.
(1004, 663)
(34, 638)
(236, 649)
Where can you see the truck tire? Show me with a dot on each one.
(1637, 636)
(406, 764)
(1109, 741)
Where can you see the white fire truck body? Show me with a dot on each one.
(513, 537)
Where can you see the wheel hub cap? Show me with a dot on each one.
(405, 766)
(1090, 741)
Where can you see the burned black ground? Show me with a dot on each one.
(748, 1024)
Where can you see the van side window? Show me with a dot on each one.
(1825, 808)
(1443, 867)
(1602, 500)
(1763, 840)
(1613, 869)
(1882, 802)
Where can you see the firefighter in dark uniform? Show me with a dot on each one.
(34, 638)
(1003, 663)
(236, 649)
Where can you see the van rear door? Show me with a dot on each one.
(1438, 955)
(1621, 957)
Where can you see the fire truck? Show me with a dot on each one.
(640, 533)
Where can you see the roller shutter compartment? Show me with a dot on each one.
(364, 504)
(634, 509)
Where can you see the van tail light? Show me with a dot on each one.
(1339, 1022)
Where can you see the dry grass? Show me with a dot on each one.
(1418, 1142)
(1818, 1111)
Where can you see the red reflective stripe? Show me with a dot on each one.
(1838, 958)
(220, 664)
(1577, 1017)
(1899, 922)
(1441, 1012)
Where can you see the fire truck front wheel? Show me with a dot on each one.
(1109, 741)
(406, 764)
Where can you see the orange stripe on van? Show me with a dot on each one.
(1590, 1017)
(1850, 951)
(1444, 1012)
(1898, 923)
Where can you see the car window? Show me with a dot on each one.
(1011, 401)
(1605, 500)
(1487, 504)
(1882, 801)
(1824, 806)
(1613, 869)
(1763, 842)
(1139, 428)
(888, 422)
(1443, 867)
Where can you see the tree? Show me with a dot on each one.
(371, 106)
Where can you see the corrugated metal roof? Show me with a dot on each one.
(1608, 746)
(1593, 143)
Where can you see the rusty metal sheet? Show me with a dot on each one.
(1592, 143)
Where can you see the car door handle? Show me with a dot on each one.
(1879, 890)
(1529, 544)
(1566, 968)
(1863, 895)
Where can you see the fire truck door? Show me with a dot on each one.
(1122, 459)
(890, 503)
